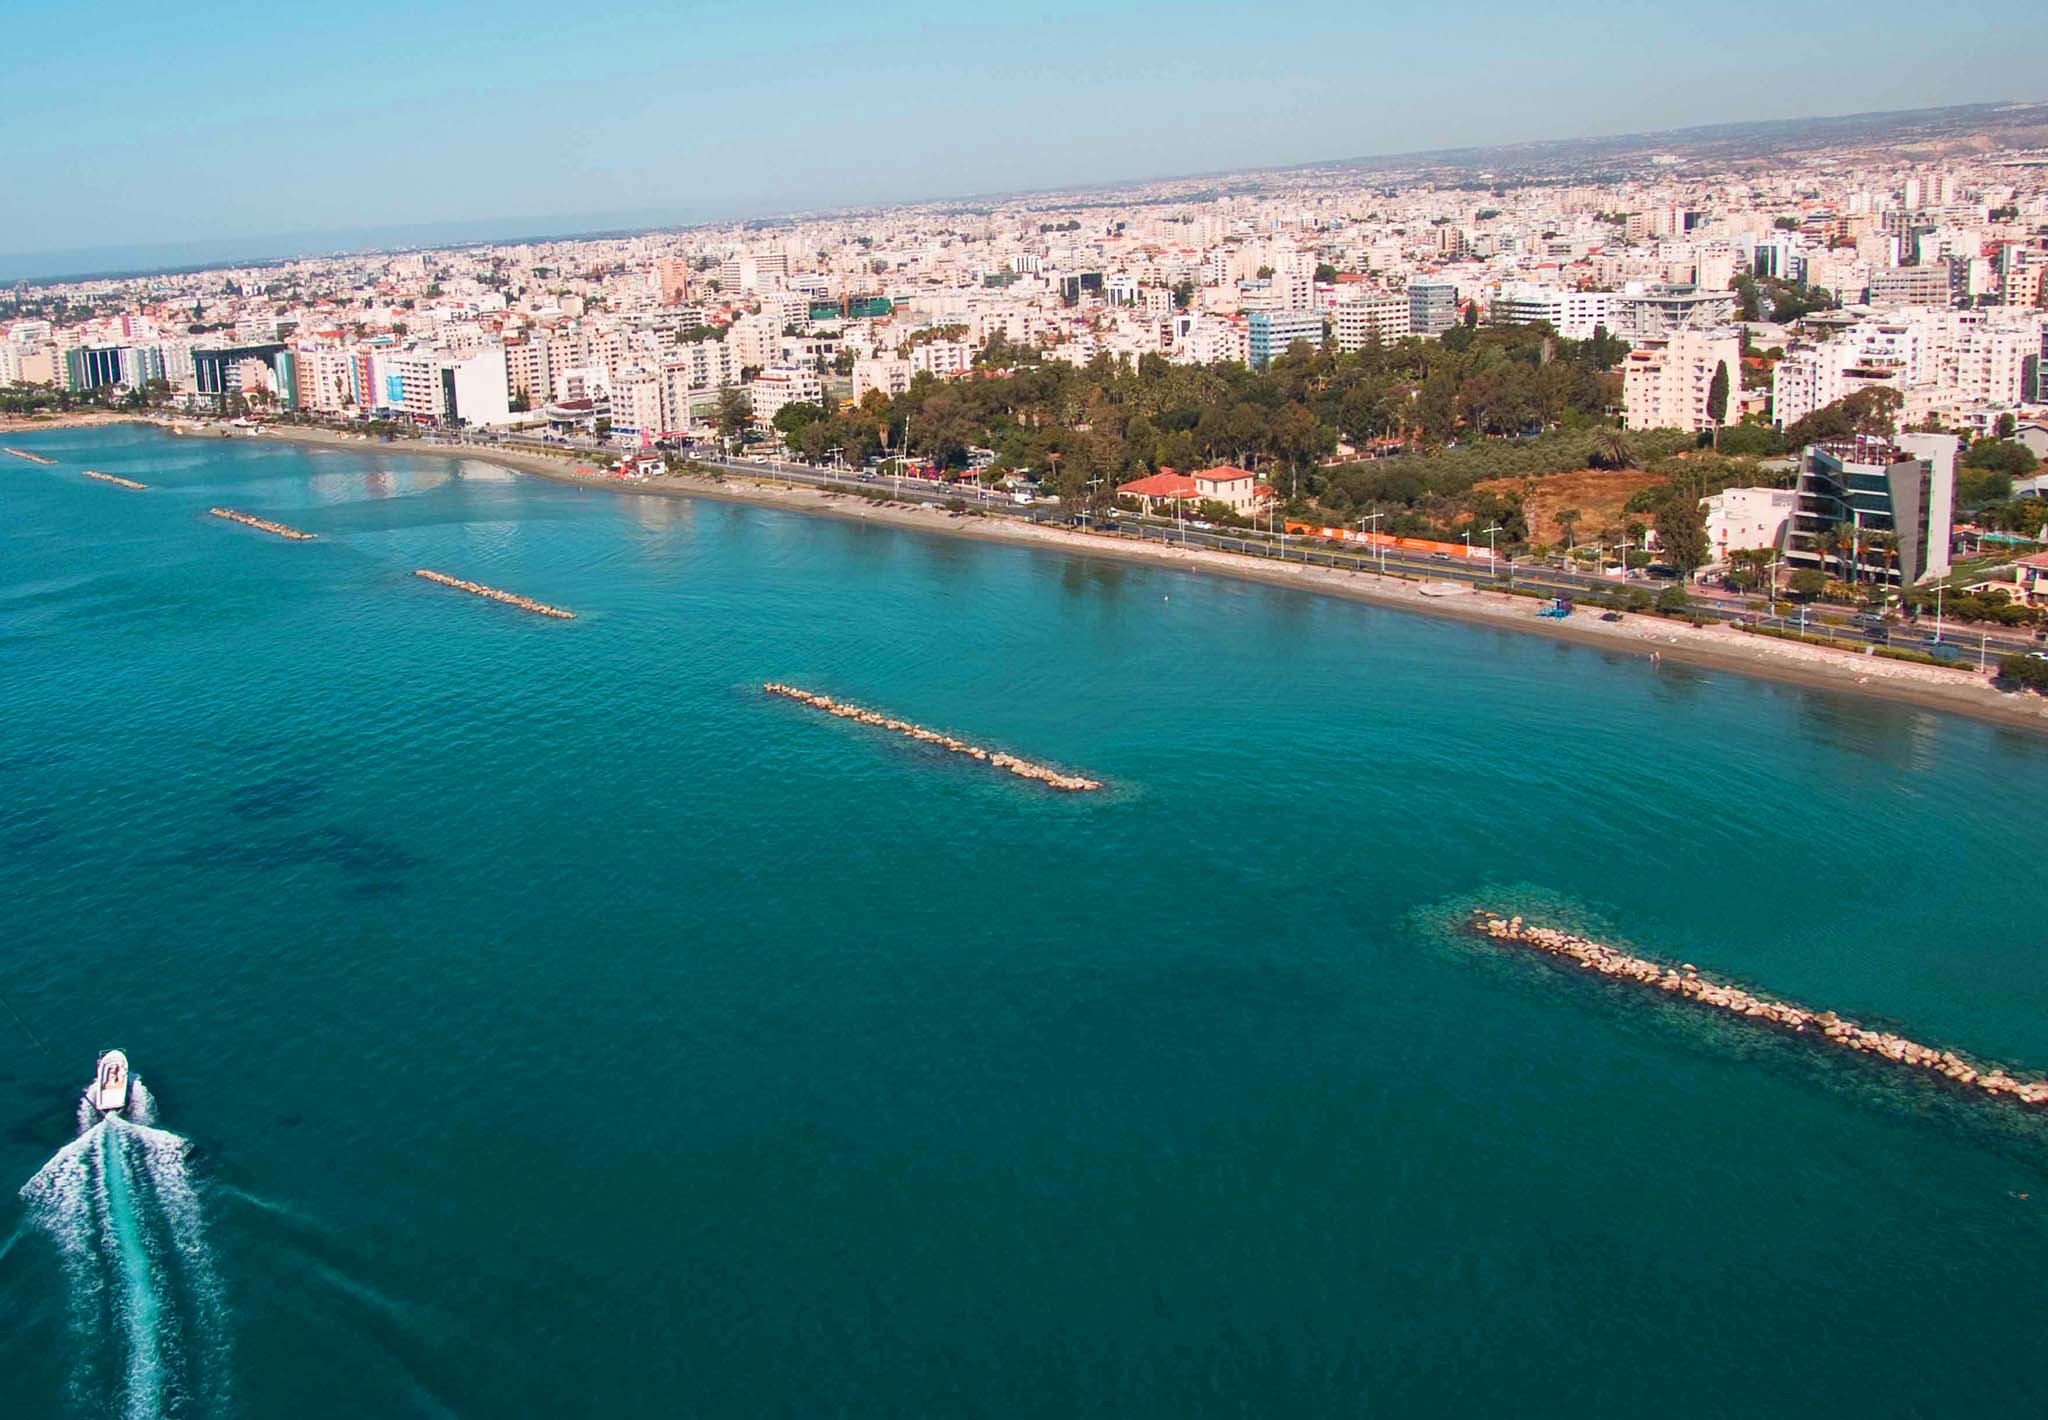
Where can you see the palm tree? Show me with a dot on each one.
(1612, 449)
(1846, 540)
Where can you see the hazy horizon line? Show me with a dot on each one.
(47, 266)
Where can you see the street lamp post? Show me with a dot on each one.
(1490, 568)
(1376, 542)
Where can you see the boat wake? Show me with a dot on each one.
(142, 1298)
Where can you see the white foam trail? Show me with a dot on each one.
(163, 1156)
(141, 1103)
(119, 1204)
(60, 1202)
(136, 1300)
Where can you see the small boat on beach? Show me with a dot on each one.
(109, 1089)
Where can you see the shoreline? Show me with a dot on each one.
(1713, 647)
(81, 419)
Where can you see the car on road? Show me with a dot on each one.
(1200, 526)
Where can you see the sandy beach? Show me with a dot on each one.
(77, 419)
(1715, 647)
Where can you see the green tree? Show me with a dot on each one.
(1682, 529)
(1717, 399)
(1613, 449)
(733, 412)
(1567, 523)
(793, 418)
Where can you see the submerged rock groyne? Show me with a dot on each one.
(1686, 984)
(1022, 768)
(249, 520)
(25, 454)
(110, 478)
(508, 598)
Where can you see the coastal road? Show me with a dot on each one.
(1964, 647)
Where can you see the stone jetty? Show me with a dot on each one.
(109, 478)
(25, 454)
(508, 598)
(1022, 768)
(248, 520)
(1685, 983)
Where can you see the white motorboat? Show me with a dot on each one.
(109, 1089)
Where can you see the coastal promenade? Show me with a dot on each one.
(1288, 563)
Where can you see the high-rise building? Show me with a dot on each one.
(1928, 285)
(1271, 333)
(1432, 306)
(1666, 382)
(1382, 316)
(1894, 499)
(672, 279)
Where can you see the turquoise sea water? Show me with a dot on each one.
(562, 1027)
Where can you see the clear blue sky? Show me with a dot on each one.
(131, 123)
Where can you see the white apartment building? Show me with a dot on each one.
(1665, 380)
(637, 404)
(705, 364)
(1358, 319)
(948, 359)
(1746, 519)
(1813, 377)
(779, 385)
(1572, 314)
(890, 374)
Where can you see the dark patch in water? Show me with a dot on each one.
(29, 839)
(356, 854)
(275, 797)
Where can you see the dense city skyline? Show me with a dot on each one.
(542, 122)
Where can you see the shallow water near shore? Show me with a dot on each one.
(562, 1026)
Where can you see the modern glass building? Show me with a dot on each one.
(1432, 306)
(1875, 509)
(212, 368)
(1270, 333)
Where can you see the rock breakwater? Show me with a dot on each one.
(110, 478)
(249, 520)
(508, 598)
(1685, 983)
(1022, 768)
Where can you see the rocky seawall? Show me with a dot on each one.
(1685, 983)
(1022, 768)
